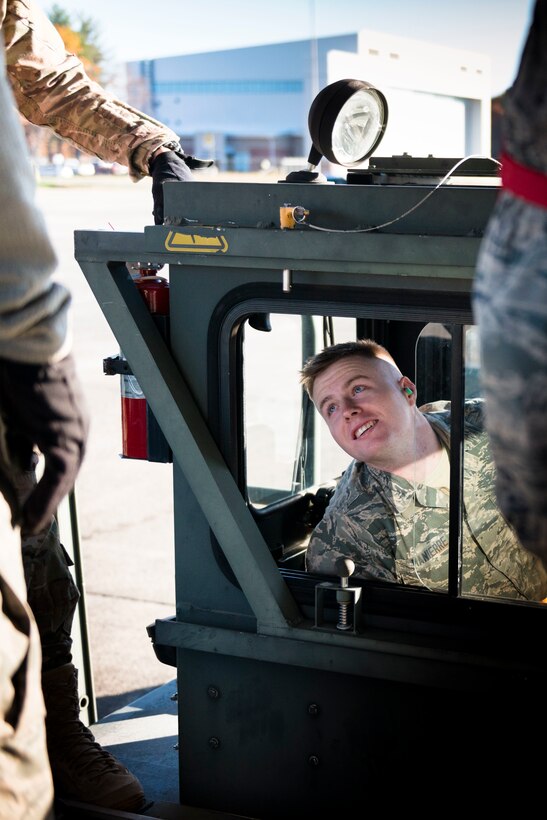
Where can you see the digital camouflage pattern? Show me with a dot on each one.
(51, 88)
(510, 305)
(395, 531)
(51, 593)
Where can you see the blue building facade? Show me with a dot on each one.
(244, 107)
(239, 106)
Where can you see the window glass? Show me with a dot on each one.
(421, 514)
(390, 511)
(286, 449)
(394, 524)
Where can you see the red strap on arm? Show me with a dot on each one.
(524, 182)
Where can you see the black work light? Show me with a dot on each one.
(347, 121)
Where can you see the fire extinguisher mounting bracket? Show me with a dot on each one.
(116, 366)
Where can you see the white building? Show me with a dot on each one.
(244, 105)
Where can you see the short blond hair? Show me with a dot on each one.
(317, 364)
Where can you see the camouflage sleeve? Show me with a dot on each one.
(359, 534)
(440, 413)
(335, 538)
(473, 416)
(33, 308)
(52, 88)
(494, 562)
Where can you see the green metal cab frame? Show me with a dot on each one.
(276, 714)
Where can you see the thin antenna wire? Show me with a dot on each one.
(406, 213)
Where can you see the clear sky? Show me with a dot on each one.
(135, 29)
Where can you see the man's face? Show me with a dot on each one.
(367, 411)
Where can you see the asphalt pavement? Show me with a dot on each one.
(124, 507)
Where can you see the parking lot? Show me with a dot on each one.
(124, 507)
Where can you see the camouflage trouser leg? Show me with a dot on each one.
(26, 790)
(510, 303)
(51, 592)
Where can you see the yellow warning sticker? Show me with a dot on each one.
(177, 242)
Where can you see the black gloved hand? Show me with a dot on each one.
(42, 406)
(166, 166)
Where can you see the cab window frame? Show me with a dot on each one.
(388, 605)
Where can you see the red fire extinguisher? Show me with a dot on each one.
(141, 435)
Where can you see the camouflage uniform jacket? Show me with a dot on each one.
(509, 299)
(396, 531)
(51, 88)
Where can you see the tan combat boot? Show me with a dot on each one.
(82, 770)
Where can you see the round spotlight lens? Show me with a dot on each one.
(347, 121)
(358, 128)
